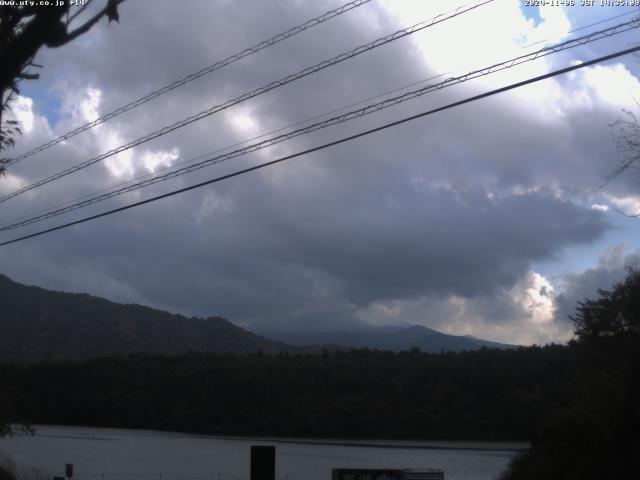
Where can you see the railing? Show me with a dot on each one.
(44, 474)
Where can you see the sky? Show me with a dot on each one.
(489, 219)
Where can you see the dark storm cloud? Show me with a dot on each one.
(392, 243)
(458, 204)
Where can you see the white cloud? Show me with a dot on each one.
(89, 107)
(121, 165)
(629, 205)
(23, 110)
(493, 33)
(85, 105)
(599, 207)
(612, 84)
(523, 314)
(80, 105)
(534, 295)
(152, 161)
(10, 182)
(243, 121)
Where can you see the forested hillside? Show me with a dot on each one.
(40, 325)
(391, 337)
(492, 394)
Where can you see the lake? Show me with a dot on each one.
(116, 454)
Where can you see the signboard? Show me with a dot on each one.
(365, 474)
(385, 474)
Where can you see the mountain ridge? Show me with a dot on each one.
(39, 325)
(387, 337)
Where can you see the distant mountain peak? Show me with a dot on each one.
(386, 337)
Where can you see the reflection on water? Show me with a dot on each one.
(113, 454)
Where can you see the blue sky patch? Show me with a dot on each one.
(44, 103)
(531, 13)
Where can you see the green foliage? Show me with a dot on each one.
(614, 313)
(485, 394)
(6, 475)
(25, 28)
(598, 435)
(39, 325)
(8, 130)
(7, 468)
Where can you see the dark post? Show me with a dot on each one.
(263, 462)
(68, 470)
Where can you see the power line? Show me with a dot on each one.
(331, 144)
(55, 209)
(246, 96)
(193, 76)
(9, 223)
(615, 30)
(583, 27)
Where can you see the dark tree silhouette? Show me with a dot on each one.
(626, 135)
(24, 30)
(615, 313)
(597, 436)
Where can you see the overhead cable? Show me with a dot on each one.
(202, 156)
(328, 122)
(330, 144)
(193, 76)
(266, 88)
(302, 122)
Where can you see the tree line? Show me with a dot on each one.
(486, 394)
(579, 404)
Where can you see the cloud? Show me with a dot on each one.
(627, 204)
(438, 222)
(522, 314)
(535, 296)
(600, 208)
(154, 160)
(23, 110)
(576, 287)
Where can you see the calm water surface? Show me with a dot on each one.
(114, 454)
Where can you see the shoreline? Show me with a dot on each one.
(406, 444)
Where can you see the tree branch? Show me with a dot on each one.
(110, 10)
(29, 76)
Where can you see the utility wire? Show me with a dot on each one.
(266, 88)
(137, 180)
(624, 27)
(189, 78)
(331, 144)
(9, 223)
(583, 27)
